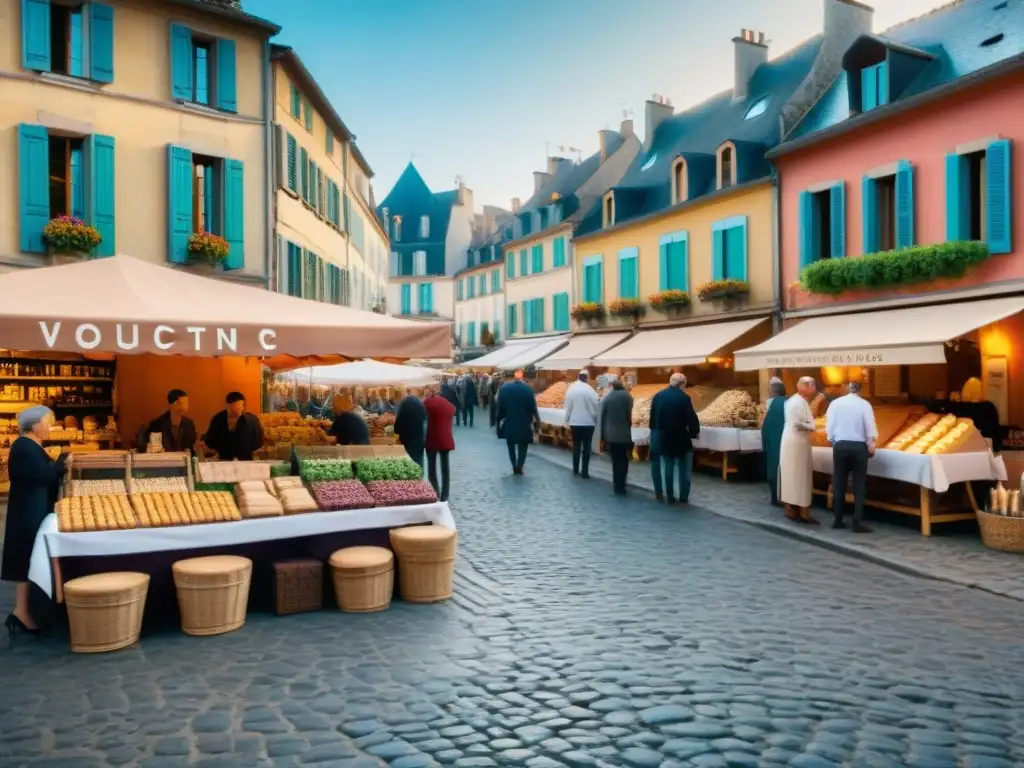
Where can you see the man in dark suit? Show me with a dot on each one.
(493, 385)
(517, 416)
(448, 393)
(468, 398)
(617, 432)
(410, 426)
(675, 420)
(177, 429)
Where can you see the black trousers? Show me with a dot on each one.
(517, 454)
(492, 409)
(849, 457)
(468, 410)
(446, 478)
(582, 440)
(415, 453)
(620, 464)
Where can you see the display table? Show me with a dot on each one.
(51, 544)
(554, 416)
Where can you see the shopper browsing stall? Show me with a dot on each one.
(440, 441)
(581, 409)
(349, 428)
(852, 431)
(233, 433)
(409, 426)
(796, 475)
(177, 432)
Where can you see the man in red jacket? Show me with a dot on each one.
(440, 440)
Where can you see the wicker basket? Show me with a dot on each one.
(426, 562)
(1005, 534)
(105, 610)
(213, 593)
(298, 586)
(364, 578)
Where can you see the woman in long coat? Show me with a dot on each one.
(771, 436)
(796, 473)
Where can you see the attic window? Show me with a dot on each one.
(424, 227)
(608, 210)
(726, 166)
(757, 109)
(679, 186)
(649, 162)
(992, 40)
(397, 229)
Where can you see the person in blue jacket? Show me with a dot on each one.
(517, 419)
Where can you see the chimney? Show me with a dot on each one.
(554, 163)
(655, 111)
(515, 205)
(605, 139)
(751, 51)
(540, 178)
(845, 21)
(626, 129)
(462, 192)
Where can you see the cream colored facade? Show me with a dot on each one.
(485, 310)
(137, 110)
(551, 281)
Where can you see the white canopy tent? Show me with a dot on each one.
(367, 373)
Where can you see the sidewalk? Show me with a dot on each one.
(955, 557)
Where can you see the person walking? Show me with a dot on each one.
(448, 393)
(771, 436)
(581, 406)
(675, 423)
(851, 428)
(493, 385)
(617, 432)
(796, 472)
(517, 419)
(440, 441)
(468, 398)
(410, 425)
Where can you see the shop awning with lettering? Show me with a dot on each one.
(534, 354)
(581, 351)
(682, 345)
(906, 336)
(509, 350)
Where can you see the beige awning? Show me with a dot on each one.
(494, 359)
(683, 345)
(532, 355)
(581, 351)
(906, 336)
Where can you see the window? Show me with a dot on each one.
(888, 209)
(560, 304)
(680, 188)
(978, 196)
(510, 265)
(629, 283)
(207, 192)
(512, 324)
(334, 275)
(330, 143)
(296, 101)
(729, 249)
(426, 298)
(202, 74)
(471, 336)
(726, 167)
(203, 69)
(874, 86)
(205, 216)
(608, 211)
(67, 182)
(396, 229)
(406, 299)
(294, 280)
(495, 281)
(419, 263)
(822, 224)
(424, 227)
(558, 247)
(469, 259)
(482, 280)
(66, 43)
(543, 214)
(460, 289)
(537, 259)
(73, 39)
(593, 279)
(649, 162)
(470, 288)
(674, 262)
(757, 109)
(307, 113)
(523, 263)
(533, 316)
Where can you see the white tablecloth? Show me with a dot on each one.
(750, 440)
(554, 416)
(641, 435)
(718, 439)
(52, 543)
(937, 472)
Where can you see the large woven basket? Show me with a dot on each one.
(213, 593)
(1005, 534)
(105, 610)
(426, 562)
(364, 578)
(298, 586)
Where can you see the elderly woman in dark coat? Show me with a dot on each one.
(771, 435)
(35, 479)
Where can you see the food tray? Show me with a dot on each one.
(157, 510)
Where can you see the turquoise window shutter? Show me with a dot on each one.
(406, 299)
(495, 281)
(537, 257)
(736, 252)
(429, 293)
(869, 214)
(904, 204)
(179, 202)
(293, 164)
(304, 170)
(182, 76)
(868, 88)
(538, 308)
(558, 252)
(483, 285)
(524, 267)
(33, 186)
(679, 264)
(227, 86)
(957, 200)
(511, 312)
(628, 288)
(837, 212)
(663, 266)
(234, 213)
(883, 83)
(510, 266)
(101, 43)
(294, 269)
(805, 203)
(527, 317)
(296, 101)
(718, 254)
(998, 197)
(36, 53)
(101, 202)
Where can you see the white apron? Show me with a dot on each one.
(795, 465)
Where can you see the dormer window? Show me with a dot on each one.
(679, 186)
(424, 227)
(396, 229)
(757, 109)
(726, 166)
(874, 86)
(608, 210)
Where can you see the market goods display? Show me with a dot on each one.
(401, 493)
(733, 408)
(319, 470)
(334, 495)
(702, 396)
(98, 487)
(370, 470)
(952, 439)
(297, 500)
(224, 487)
(553, 396)
(972, 391)
(160, 509)
(159, 484)
(231, 471)
(281, 469)
(109, 512)
(254, 500)
(285, 483)
(933, 434)
(1004, 502)
(380, 425)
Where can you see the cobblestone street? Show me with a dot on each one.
(586, 631)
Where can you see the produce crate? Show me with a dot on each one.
(298, 586)
(171, 464)
(101, 465)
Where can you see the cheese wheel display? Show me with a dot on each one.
(106, 512)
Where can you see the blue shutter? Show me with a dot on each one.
(182, 83)
(869, 214)
(406, 299)
(868, 88)
(882, 84)
(663, 266)
(837, 211)
(957, 198)
(33, 186)
(628, 288)
(538, 308)
(179, 203)
(524, 267)
(904, 204)
(304, 170)
(101, 202)
(806, 231)
(718, 254)
(35, 36)
(679, 262)
(101, 43)
(736, 252)
(234, 213)
(998, 197)
(227, 96)
(510, 266)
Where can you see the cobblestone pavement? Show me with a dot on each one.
(585, 632)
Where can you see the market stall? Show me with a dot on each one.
(496, 359)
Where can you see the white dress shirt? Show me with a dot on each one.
(850, 419)
(581, 403)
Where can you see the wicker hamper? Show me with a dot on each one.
(105, 610)
(426, 562)
(213, 593)
(1005, 534)
(298, 586)
(364, 578)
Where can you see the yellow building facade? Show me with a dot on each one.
(150, 121)
(538, 283)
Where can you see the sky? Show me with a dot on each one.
(485, 90)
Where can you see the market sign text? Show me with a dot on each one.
(165, 337)
(827, 358)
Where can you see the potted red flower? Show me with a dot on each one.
(68, 238)
(588, 313)
(669, 302)
(208, 249)
(630, 309)
(727, 291)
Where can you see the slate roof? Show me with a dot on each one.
(951, 37)
(410, 199)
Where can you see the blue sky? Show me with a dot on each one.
(476, 87)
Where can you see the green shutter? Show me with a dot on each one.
(882, 85)
(868, 88)
(837, 222)
(679, 261)
(101, 200)
(294, 270)
(718, 254)
(537, 257)
(179, 202)
(234, 213)
(558, 258)
(524, 267)
(304, 169)
(998, 197)
(805, 204)
(33, 186)
(460, 289)
(101, 43)
(406, 299)
(293, 161)
(226, 81)
(296, 101)
(538, 317)
(904, 204)
(495, 281)
(308, 110)
(330, 143)
(958, 204)
(510, 266)
(35, 36)
(182, 82)
(628, 288)
(663, 273)
(869, 214)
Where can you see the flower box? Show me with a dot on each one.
(626, 308)
(724, 290)
(669, 302)
(589, 313)
(69, 239)
(208, 250)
